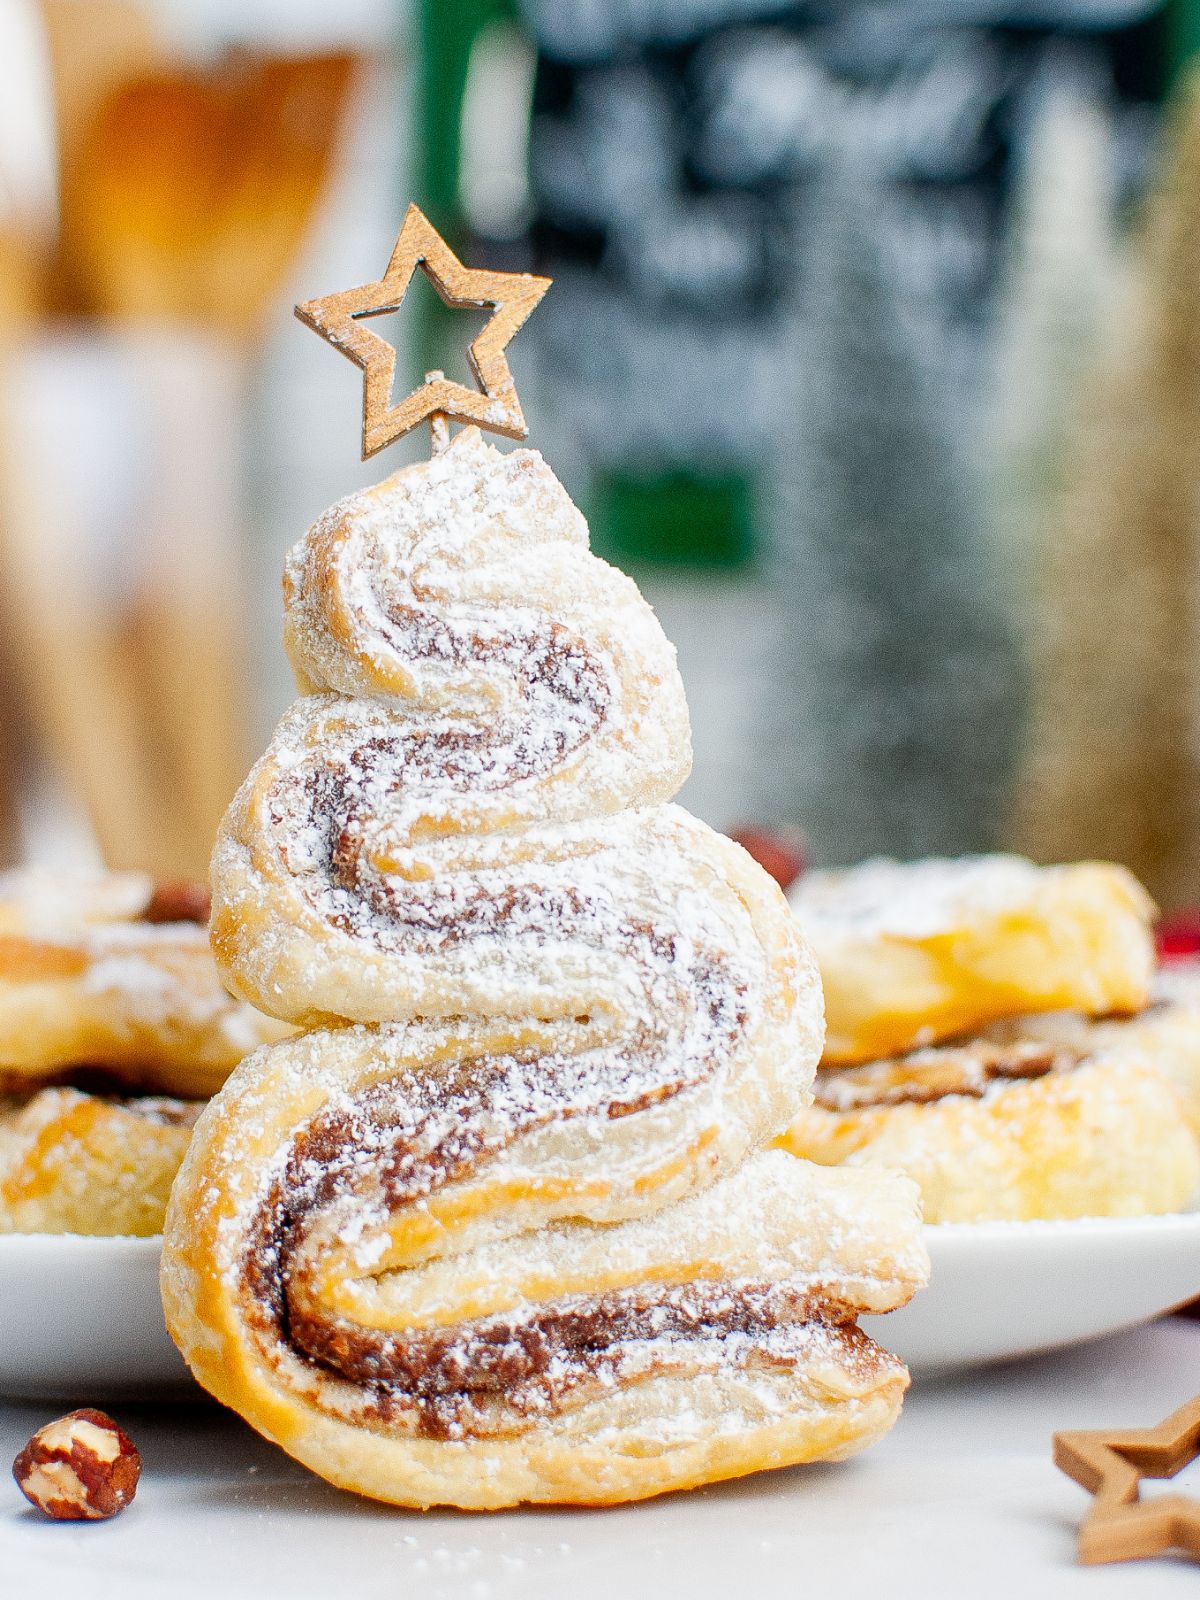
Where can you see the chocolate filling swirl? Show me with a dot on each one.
(403, 1139)
(926, 1076)
(463, 799)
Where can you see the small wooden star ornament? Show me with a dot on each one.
(341, 318)
(1120, 1526)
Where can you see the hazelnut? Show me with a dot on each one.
(180, 900)
(81, 1467)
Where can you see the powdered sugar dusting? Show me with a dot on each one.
(137, 999)
(913, 899)
(579, 1012)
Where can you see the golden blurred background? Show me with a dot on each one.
(873, 351)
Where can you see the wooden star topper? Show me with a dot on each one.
(340, 318)
(1120, 1526)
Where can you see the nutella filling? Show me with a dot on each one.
(501, 1374)
(564, 687)
(927, 1076)
(339, 796)
(17, 1091)
(178, 901)
(406, 1137)
(160, 1109)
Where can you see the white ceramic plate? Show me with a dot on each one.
(999, 1290)
(80, 1318)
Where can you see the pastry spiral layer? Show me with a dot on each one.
(1090, 1124)
(72, 1162)
(402, 849)
(502, 1228)
(107, 973)
(914, 952)
(442, 1275)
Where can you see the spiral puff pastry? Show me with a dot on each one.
(1166, 1033)
(106, 972)
(1037, 1123)
(915, 952)
(512, 1235)
(72, 1162)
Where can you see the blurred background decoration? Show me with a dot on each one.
(872, 350)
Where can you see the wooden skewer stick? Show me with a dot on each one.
(439, 422)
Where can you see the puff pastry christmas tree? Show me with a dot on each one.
(501, 1225)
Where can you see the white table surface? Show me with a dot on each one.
(960, 1500)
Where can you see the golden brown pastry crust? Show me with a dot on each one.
(912, 953)
(1167, 1033)
(1015, 1129)
(513, 1235)
(94, 973)
(440, 1277)
(72, 1162)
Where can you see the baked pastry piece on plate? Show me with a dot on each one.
(72, 1162)
(912, 953)
(513, 1235)
(105, 971)
(1016, 1128)
(1166, 1033)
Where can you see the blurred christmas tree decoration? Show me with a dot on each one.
(1057, 297)
(827, 275)
(675, 155)
(1114, 762)
(895, 691)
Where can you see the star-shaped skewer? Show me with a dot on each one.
(340, 318)
(1120, 1526)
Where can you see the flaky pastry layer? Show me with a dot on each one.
(1021, 1126)
(912, 953)
(104, 972)
(72, 1162)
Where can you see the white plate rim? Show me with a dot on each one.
(972, 1262)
